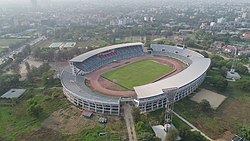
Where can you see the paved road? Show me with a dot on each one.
(19, 49)
(129, 122)
(192, 126)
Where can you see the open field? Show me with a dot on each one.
(232, 114)
(15, 121)
(138, 73)
(59, 120)
(44, 44)
(213, 98)
(2, 49)
(7, 42)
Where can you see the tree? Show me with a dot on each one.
(218, 82)
(243, 84)
(36, 52)
(27, 65)
(33, 108)
(136, 114)
(48, 78)
(204, 106)
(196, 136)
(242, 69)
(147, 136)
(184, 132)
(8, 81)
(160, 42)
(172, 135)
(245, 132)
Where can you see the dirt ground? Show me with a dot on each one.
(60, 66)
(57, 66)
(213, 98)
(31, 62)
(104, 86)
(43, 134)
(67, 121)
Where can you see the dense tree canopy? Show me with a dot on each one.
(8, 82)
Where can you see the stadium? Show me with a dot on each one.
(102, 79)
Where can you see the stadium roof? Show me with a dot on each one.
(13, 93)
(75, 84)
(198, 66)
(87, 55)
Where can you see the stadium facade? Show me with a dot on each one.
(148, 97)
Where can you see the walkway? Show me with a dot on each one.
(129, 122)
(192, 126)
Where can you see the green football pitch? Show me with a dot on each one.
(138, 73)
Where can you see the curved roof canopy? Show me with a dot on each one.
(91, 53)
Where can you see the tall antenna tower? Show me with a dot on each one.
(170, 95)
(232, 74)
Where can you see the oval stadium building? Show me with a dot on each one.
(147, 97)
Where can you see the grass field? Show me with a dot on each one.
(138, 73)
(7, 42)
(2, 50)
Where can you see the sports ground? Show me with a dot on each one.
(138, 73)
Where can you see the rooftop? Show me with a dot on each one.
(56, 45)
(87, 55)
(75, 84)
(70, 45)
(13, 93)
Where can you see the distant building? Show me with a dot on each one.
(228, 49)
(220, 20)
(186, 31)
(212, 23)
(247, 52)
(218, 44)
(34, 3)
(13, 93)
(246, 35)
(68, 45)
(56, 45)
(238, 138)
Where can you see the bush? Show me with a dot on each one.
(33, 108)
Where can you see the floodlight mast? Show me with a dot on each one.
(170, 96)
(234, 60)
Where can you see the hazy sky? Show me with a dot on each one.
(25, 2)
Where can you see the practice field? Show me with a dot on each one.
(138, 73)
(7, 42)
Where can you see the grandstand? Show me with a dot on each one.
(80, 95)
(149, 97)
(95, 59)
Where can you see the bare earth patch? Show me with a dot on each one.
(32, 62)
(43, 134)
(213, 98)
(67, 121)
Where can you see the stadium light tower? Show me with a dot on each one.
(232, 74)
(170, 94)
